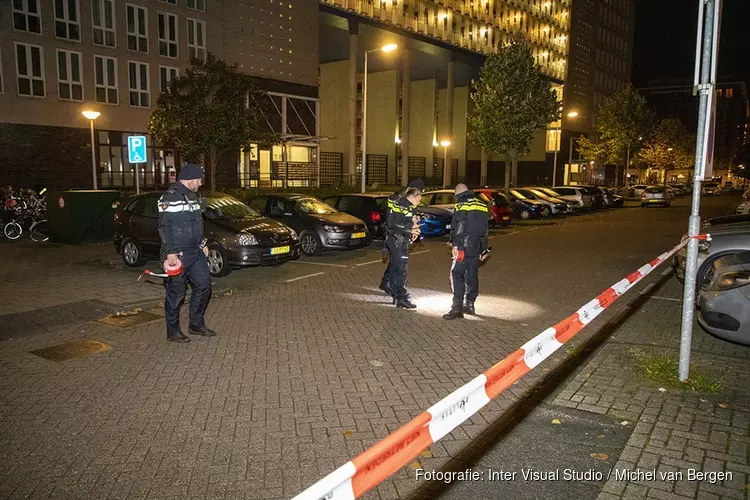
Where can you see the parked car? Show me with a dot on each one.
(743, 208)
(711, 188)
(617, 200)
(520, 210)
(638, 189)
(679, 189)
(725, 219)
(371, 208)
(725, 239)
(237, 235)
(607, 196)
(550, 195)
(319, 225)
(724, 299)
(597, 197)
(575, 194)
(656, 195)
(446, 199)
(557, 207)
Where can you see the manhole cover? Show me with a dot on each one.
(130, 319)
(71, 350)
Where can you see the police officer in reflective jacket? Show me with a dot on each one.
(181, 232)
(385, 282)
(469, 229)
(402, 230)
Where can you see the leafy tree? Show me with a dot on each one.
(622, 121)
(669, 147)
(210, 111)
(512, 99)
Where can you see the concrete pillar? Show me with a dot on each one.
(405, 98)
(449, 124)
(483, 170)
(352, 159)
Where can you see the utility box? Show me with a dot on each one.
(75, 217)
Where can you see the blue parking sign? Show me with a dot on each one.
(137, 148)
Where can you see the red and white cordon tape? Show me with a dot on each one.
(375, 464)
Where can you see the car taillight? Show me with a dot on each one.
(117, 216)
(375, 216)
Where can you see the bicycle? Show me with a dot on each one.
(37, 229)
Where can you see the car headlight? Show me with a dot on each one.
(333, 229)
(246, 240)
(293, 234)
(742, 206)
(704, 245)
(730, 280)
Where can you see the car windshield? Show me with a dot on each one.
(549, 192)
(517, 194)
(500, 199)
(539, 193)
(226, 207)
(313, 206)
(655, 190)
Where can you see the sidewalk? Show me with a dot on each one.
(674, 430)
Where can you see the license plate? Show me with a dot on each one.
(506, 218)
(278, 250)
(358, 235)
(447, 226)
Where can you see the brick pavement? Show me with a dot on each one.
(674, 429)
(304, 375)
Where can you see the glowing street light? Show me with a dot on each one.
(385, 48)
(91, 116)
(445, 143)
(571, 114)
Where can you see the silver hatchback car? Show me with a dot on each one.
(724, 299)
(725, 239)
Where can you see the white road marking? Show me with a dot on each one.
(665, 298)
(512, 232)
(368, 263)
(303, 277)
(647, 289)
(320, 264)
(417, 253)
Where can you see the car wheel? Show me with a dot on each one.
(217, 260)
(545, 211)
(131, 253)
(525, 215)
(310, 243)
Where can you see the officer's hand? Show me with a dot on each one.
(454, 252)
(205, 251)
(172, 259)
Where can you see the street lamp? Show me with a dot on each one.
(445, 145)
(92, 115)
(558, 136)
(385, 48)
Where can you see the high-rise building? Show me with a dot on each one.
(418, 97)
(59, 58)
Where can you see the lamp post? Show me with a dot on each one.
(386, 48)
(558, 136)
(445, 145)
(92, 115)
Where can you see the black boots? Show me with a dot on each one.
(405, 304)
(469, 308)
(454, 313)
(178, 337)
(205, 332)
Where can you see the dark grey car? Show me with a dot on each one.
(724, 302)
(319, 225)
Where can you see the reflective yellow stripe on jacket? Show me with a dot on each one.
(472, 205)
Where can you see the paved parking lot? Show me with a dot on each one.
(312, 364)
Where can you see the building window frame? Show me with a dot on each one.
(136, 81)
(167, 35)
(170, 2)
(2, 77)
(138, 32)
(197, 5)
(100, 26)
(167, 74)
(106, 84)
(67, 78)
(194, 48)
(26, 14)
(29, 74)
(64, 20)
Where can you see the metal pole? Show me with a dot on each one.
(137, 179)
(286, 164)
(363, 170)
(317, 139)
(626, 189)
(706, 51)
(554, 166)
(93, 155)
(570, 160)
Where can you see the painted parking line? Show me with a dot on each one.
(304, 277)
(320, 264)
(665, 298)
(417, 253)
(368, 263)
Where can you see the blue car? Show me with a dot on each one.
(433, 221)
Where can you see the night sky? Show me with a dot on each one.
(665, 41)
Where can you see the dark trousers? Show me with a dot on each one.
(399, 250)
(387, 275)
(465, 280)
(195, 270)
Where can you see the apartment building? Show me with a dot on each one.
(59, 58)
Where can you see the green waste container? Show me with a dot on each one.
(75, 217)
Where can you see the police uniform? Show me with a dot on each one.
(469, 228)
(181, 233)
(400, 223)
(385, 282)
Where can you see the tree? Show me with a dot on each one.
(622, 121)
(669, 147)
(210, 111)
(512, 100)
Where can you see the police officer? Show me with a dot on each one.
(469, 228)
(402, 230)
(385, 282)
(181, 232)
